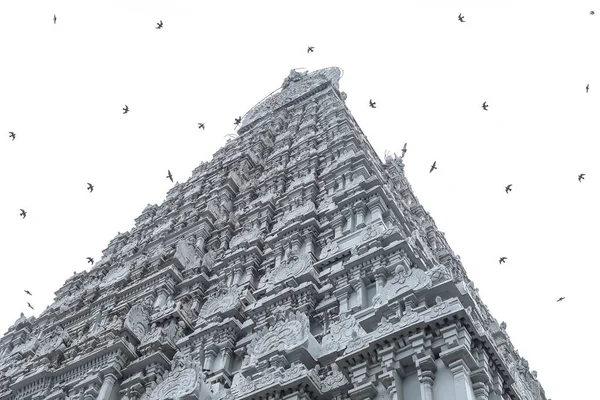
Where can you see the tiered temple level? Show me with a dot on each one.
(295, 265)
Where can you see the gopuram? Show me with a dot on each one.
(295, 265)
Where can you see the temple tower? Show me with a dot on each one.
(295, 265)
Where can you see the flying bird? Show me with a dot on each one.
(372, 104)
(404, 150)
(169, 175)
(90, 187)
(580, 177)
(23, 213)
(508, 189)
(432, 167)
(560, 299)
(54, 19)
(29, 305)
(159, 25)
(12, 135)
(484, 106)
(28, 292)
(502, 260)
(200, 125)
(125, 109)
(238, 121)
(310, 49)
(587, 88)
(90, 260)
(461, 18)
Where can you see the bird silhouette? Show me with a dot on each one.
(461, 18)
(372, 104)
(90, 260)
(29, 305)
(12, 135)
(310, 49)
(433, 167)
(508, 189)
(587, 88)
(28, 292)
(580, 177)
(560, 299)
(125, 109)
(238, 121)
(404, 150)
(484, 106)
(502, 260)
(90, 187)
(169, 175)
(23, 213)
(200, 125)
(54, 19)
(159, 25)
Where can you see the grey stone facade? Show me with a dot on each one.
(295, 265)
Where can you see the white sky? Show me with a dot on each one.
(62, 88)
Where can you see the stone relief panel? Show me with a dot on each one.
(186, 253)
(403, 280)
(115, 275)
(222, 300)
(293, 214)
(346, 332)
(291, 331)
(138, 319)
(184, 381)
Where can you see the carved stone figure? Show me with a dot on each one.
(185, 253)
(185, 381)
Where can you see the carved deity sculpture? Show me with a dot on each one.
(185, 253)
(209, 258)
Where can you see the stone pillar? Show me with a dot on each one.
(375, 207)
(107, 386)
(238, 272)
(360, 214)
(348, 221)
(462, 388)
(426, 369)
(337, 225)
(209, 357)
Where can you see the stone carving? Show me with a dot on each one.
(403, 280)
(185, 381)
(341, 333)
(383, 328)
(130, 247)
(163, 230)
(334, 380)
(370, 231)
(408, 317)
(186, 253)
(209, 258)
(248, 234)
(138, 319)
(330, 248)
(293, 265)
(440, 308)
(284, 336)
(54, 341)
(439, 274)
(115, 275)
(273, 376)
(308, 178)
(223, 299)
(297, 212)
